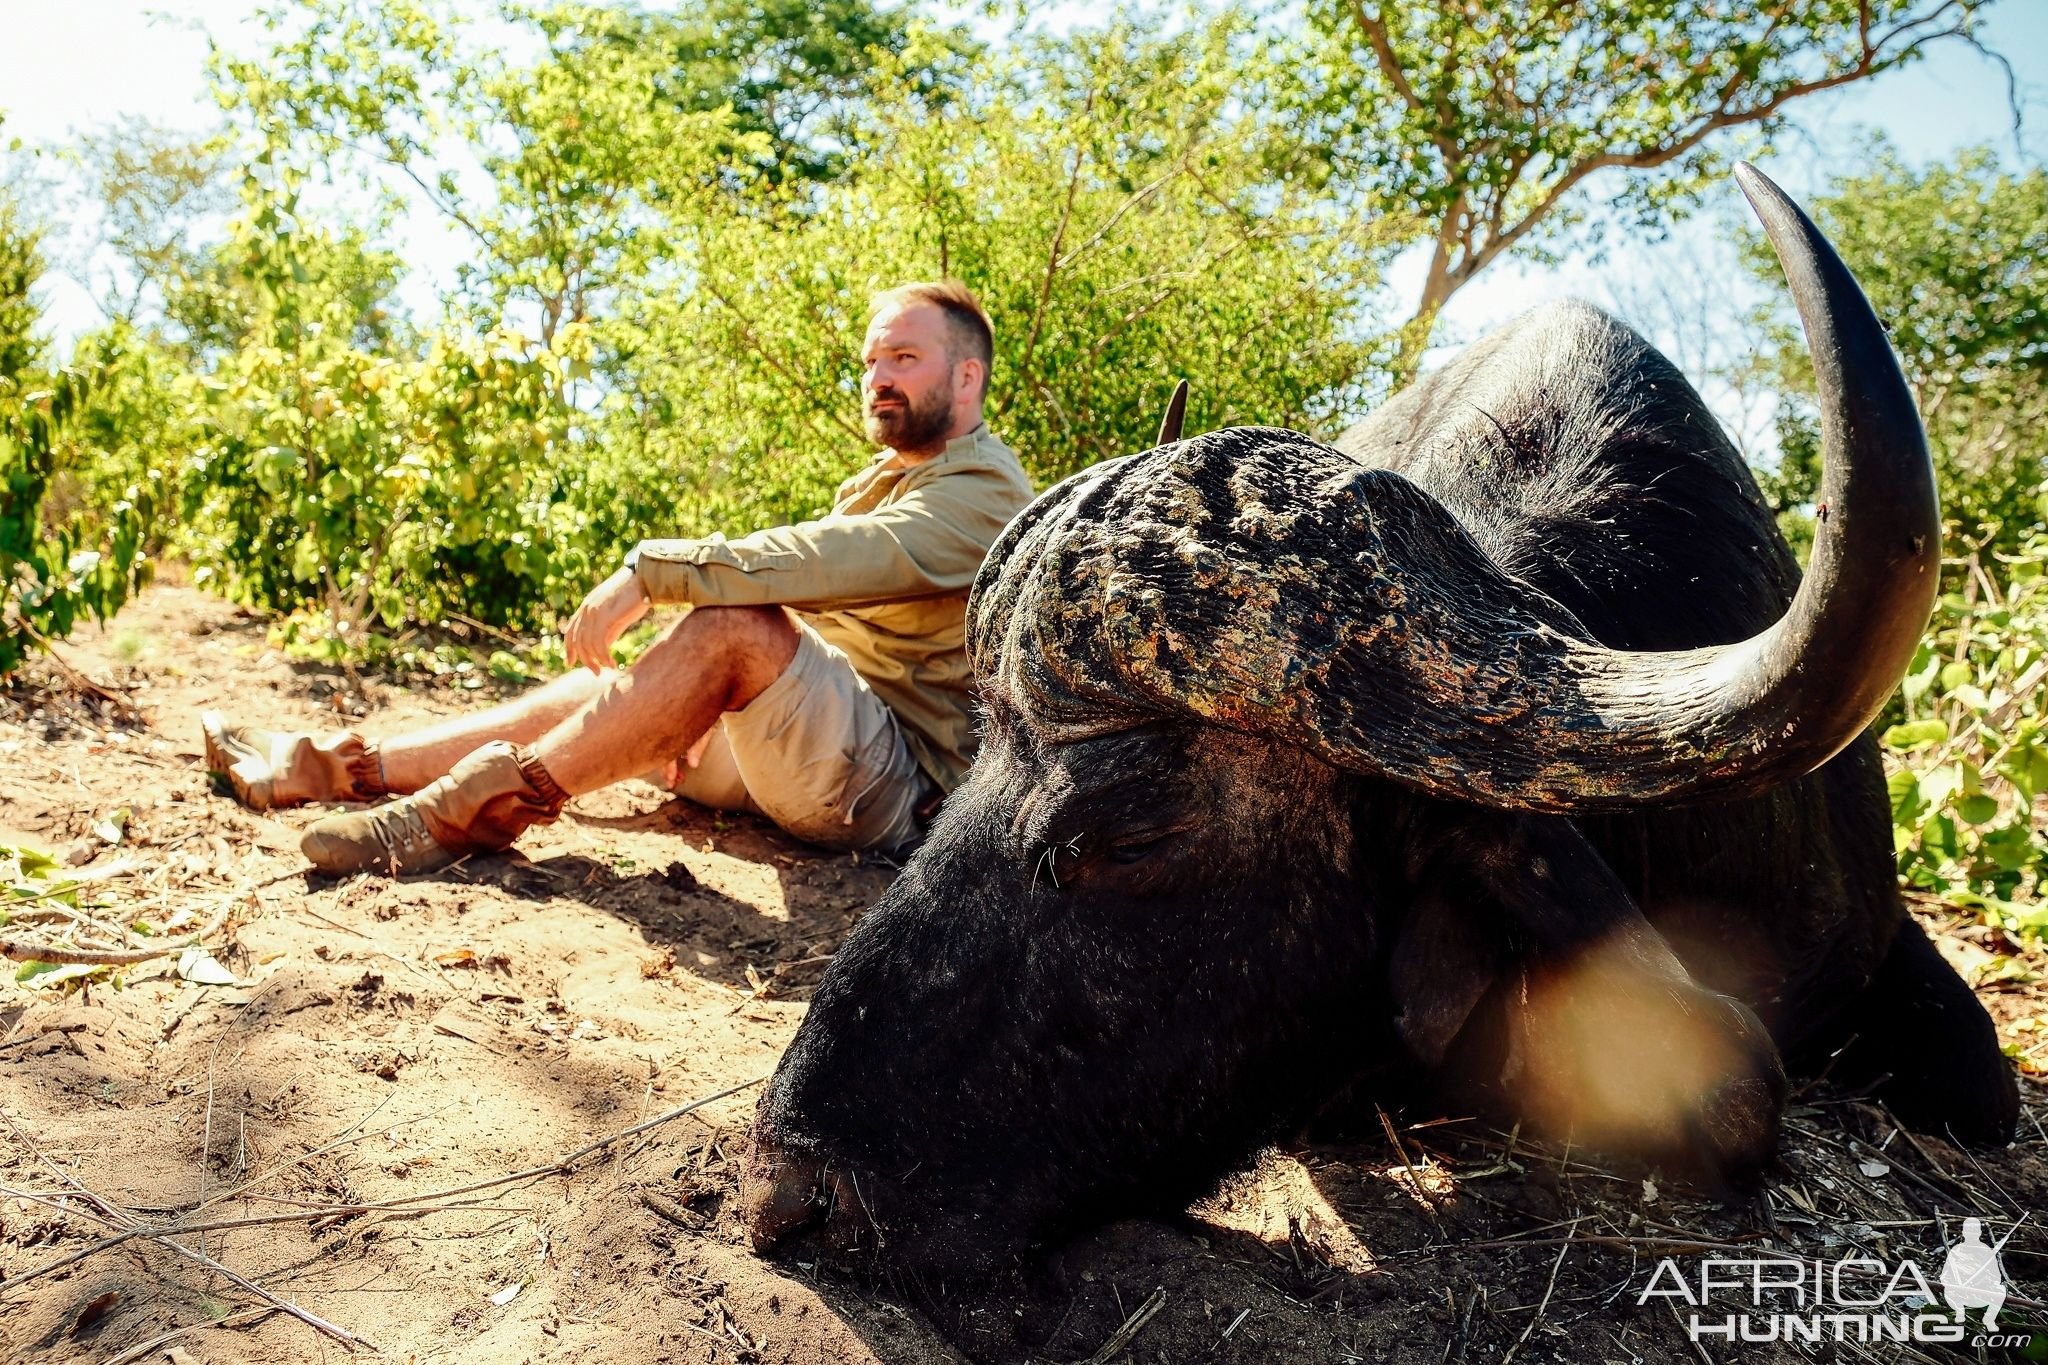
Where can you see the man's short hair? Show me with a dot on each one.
(968, 333)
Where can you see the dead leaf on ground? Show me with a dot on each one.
(96, 1309)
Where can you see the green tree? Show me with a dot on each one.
(796, 71)
(1482, 119)
(555, 165)
(157, 190)
(1125, 204)
(53, 569)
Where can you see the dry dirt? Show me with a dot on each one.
(387, 1041)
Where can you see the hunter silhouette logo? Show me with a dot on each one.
(1970, 1277)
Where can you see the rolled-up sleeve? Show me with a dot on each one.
(927, 543)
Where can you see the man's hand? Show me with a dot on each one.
(606, 614)
(672, 772)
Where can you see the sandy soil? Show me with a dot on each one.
(388, 1041)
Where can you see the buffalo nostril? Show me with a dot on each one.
(779, 1195)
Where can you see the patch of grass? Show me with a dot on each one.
(131, 645)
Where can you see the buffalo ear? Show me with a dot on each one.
(1596, 1028)
(1445, 959)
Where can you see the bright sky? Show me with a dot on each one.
(74, 65)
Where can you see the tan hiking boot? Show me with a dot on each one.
(481, 806)
(268, 769)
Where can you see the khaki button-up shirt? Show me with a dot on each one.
(883, 577)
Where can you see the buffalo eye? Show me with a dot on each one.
(1137, 850)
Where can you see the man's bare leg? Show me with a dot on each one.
(413, 760)
(592, 731)
(282, 768)
(714, 660)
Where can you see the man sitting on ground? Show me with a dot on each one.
(820, 678)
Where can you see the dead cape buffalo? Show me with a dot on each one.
(1489, 751)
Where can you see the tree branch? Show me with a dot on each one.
(1375, 30)
(435, 199)
(1870, 59)
(1052, 265)
(753, 339)
(1465, 245)
(1137, 197)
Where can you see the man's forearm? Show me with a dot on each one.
(929, 547)
(716, 572)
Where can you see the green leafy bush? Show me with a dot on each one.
(54, 567)
(1970, 757)
(375, 483)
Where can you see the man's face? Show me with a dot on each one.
(907, 392)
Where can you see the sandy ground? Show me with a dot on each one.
(390, 1043)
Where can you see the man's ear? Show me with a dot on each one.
(971, 376)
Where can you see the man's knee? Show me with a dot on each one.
(754, 644)
(760, 632)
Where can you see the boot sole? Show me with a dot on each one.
(341, 857)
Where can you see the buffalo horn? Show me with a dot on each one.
(1258, 580)
(1176, 412)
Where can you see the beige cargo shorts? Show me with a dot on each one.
(819, 754)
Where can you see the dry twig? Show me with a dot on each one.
(1133, 1325)
(111, 1215)
(144, 1350)
(1536, 1319)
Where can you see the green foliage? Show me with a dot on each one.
(1951, 257)
(1969, 760)
(1124, 208)
(1955, 260)
(21, 265)
(53, 568)
(794, 71)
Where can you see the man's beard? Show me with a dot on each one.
(920, 424)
